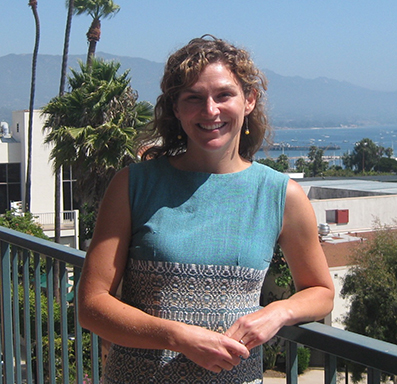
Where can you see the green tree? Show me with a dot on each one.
(97, 9)
(282, 163)
(268, 161)
(22, 222)
(386, 165)
(316, 166)
(33, 5)
(301, 165)
(366, 154)
(371, 286)
(338, 171)
(92, 127)
(389, 152)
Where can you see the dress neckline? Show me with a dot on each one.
(166, 161)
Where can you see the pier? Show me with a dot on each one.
(288, 147)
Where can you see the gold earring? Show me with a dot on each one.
(180, 129)
(247, 131)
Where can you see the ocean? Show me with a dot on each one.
(334, 141)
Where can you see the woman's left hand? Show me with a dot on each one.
(258, 327)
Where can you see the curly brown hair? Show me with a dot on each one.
(164, 135)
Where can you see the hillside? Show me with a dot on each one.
(292, 101)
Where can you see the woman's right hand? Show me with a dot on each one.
(211, 350)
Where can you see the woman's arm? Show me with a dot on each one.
(305, 257)
(113, 320)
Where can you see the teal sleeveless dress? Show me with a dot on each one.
(201, 245)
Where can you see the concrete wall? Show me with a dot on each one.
(10, 152)
(341, 306)
(43, 184)
(363, 212)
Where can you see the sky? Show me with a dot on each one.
(345, 40)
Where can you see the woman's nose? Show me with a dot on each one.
(211, 107)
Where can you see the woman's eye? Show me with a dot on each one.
(193, 98)
(225, 95)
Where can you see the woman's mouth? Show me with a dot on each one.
(212, 127)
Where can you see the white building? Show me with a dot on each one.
(13, 165)
(351, 207)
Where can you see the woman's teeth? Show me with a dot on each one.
(211, 127)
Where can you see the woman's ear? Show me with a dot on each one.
(250, 102)
(175, 109)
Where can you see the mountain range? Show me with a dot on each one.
(291, 101)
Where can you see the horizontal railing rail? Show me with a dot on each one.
(40, 346)
(378, 356)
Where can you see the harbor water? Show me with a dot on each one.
(336, 141)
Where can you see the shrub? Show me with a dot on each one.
(270, 353)
(303, 359)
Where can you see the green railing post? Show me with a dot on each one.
(292, 362)
(64, 322)
(373, 376)
(50, 322)
(26, 315)
(94, 358)
(330, 369)
(78, 330)
(17, 323)
(39, 323)
(6, 318)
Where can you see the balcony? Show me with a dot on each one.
(42, 342)
(68, 225)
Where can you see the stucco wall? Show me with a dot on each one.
(363, 212)
(10, 153)
(42, 190)
(341, 306)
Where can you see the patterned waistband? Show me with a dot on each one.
(207, 295)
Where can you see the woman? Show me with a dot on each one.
(191, 231)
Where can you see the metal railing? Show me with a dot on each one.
(69, 219)
(42, 342)
(377, 356)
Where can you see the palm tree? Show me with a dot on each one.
(57, 172)
(33, 5)
(70, 5)
(93, 126)
(97, 9)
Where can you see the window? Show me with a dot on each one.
(10, 185)
(69, 203)
(337, 216)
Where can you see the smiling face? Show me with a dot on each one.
(212, 111)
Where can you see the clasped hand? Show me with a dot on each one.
(216, 352)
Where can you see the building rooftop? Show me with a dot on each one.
(362, 187)
(338, 248)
